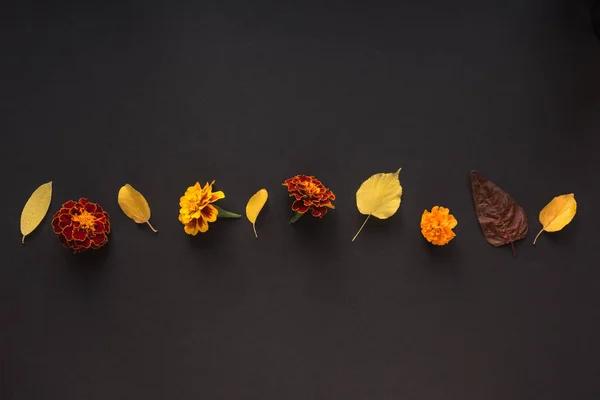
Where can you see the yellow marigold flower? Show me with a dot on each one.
(437, 225)
(196, 211)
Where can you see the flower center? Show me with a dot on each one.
(86, 220)
(311, 189)
(196, 204)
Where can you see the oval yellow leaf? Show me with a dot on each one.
(379, 196)
(134, 205)
(35, 209)
(254, 206)
(557, 214)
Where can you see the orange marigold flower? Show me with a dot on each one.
(196, 209)
(437, 225)
(81, 225)
(309, 194)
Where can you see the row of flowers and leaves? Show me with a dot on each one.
(82, 224)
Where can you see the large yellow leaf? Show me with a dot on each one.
(255, 204)
(557, 214)
(35, 209)
(379, 196)
(134, 205)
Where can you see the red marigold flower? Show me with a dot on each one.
(309, 194)
(81, 225)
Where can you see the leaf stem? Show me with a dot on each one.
(151, 227)
(23, 240)
(538, 235)
(254, 228)
(225, 213)
(361, 227)
(512, 244)
(296, 217)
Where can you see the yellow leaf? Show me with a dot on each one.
(255, 204)
(557, 214)
(35, 209)
(134, 205)
(379, 196)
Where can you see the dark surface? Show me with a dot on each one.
(161, 96)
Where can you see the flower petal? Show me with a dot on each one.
(99, 227)
(202, 225)
(55, 225)
(98, 240)
(217, 196)
(82, 246)
(90, 207)
(64, 220)
(299, 206)
(190, 228)
(68, 233)
(185, 218)
(63, 240)
(79, 234)
(210, 213)
(196, 214)
(452, 224)
(319, 211)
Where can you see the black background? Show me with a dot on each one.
(161, 95)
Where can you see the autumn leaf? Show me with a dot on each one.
(557, 214)
(134, 205)
(502, 220)
(379, 196)
(255, 204)
(35, 209)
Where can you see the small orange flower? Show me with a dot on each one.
(437, 225)
(310, 194)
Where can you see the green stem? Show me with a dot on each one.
(225, 213)
(296, 217)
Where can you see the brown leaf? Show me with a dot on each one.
(502, 220)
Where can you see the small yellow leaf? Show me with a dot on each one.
(134, 205)
(379, 196)
(35, 209)
(255, 204)
(557, 214)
